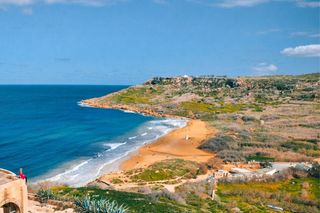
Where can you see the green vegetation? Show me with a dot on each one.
(134, 202)
(295, 195)
(296, 145)
(269, 118)
(279, 135)
(168, 169)
(203, 96)
(311, 125)
(259, 158)
(198, 107)
(90, 205)
(44, 195)
(131, 96)
(138, 95)
(116, 181)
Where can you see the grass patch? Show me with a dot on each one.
(311, 125)
(116, 181)
(259, 158)
(168, 169)
(295, 145)
(135, 95)
(135, 202)
(297, 195)
(201, 107)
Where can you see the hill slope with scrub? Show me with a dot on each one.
(272, 118)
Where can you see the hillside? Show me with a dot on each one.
(274, 118)
(203, 97)
(255, 121)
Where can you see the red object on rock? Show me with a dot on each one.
(21, 175)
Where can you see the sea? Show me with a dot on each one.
(45, 130)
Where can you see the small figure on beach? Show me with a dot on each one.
(187, 137)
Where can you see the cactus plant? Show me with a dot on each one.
(44, 195)
(90, 205)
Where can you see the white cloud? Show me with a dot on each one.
(80, 2)
(315, 35)
(251, 3)
(312, 50)
(306, 34)
(264, 32)
(240, 3)
(305, 3)
(211, 3)
(16, 2)
(264, 69)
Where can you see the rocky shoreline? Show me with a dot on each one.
(94, 102)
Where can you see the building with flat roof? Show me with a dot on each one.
(13, 193)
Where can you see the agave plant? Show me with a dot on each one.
(44, 195)
(90, 205)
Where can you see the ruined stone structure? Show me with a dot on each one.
(13, 193)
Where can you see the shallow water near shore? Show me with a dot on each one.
(44, 130)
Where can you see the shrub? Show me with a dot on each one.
(247, 118)
(155, 196)
(214, 163)
(219, 143)
(44, 195)
(116, 181)
(231, 156)
(315, 170)
(169, 169)
(261, 157)
(89, 205)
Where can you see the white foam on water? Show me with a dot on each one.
(80, 173)
(128, 111)
(143, 134)
(74, 169)
(83, 104)
(114, 145)
(133, 137)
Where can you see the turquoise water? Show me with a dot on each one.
(44, 130)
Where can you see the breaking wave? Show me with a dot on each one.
(83, 171)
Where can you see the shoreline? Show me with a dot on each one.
(125, 108)
(173, 145)
(55, 177)
(170, 146)
(179, 143)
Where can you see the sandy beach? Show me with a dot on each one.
(174, 145)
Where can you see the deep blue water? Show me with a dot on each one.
(45, 131)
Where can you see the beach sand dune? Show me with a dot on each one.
(181, 143)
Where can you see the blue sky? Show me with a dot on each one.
(130, 41)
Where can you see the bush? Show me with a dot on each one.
(89, 205)
(155, 196)
(219, 143)
(169, 169)
(247, 118)
(315, 170)
(44, 195)
(231, 156)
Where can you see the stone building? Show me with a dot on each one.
(13, 193)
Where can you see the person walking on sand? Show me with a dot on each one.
(22, 176)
